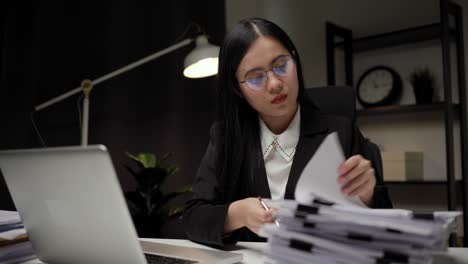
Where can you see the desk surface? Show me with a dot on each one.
(252, 252)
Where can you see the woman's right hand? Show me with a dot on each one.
(247, 212)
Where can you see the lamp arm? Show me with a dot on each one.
(116, 73)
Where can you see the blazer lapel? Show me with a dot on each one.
(261, 181)
(314, 128)
(257, 178)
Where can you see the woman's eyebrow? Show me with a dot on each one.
(278, 57)
(254, 69)
(272, 62)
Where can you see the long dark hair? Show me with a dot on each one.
(238, 119)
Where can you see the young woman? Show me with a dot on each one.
(267, 131)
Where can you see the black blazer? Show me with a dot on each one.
(206, 211)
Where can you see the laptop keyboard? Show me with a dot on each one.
(153, 259)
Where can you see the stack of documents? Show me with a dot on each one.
(324, 226)
(14, 243)
(328, 233)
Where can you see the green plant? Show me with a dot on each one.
(148, 204)
(422, 74)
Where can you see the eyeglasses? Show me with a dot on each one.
(256, 79)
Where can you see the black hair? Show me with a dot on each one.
(238, 119)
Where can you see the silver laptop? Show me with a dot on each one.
(72, 206)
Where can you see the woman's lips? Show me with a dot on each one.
(279, 99)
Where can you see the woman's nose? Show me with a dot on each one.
(274, 84)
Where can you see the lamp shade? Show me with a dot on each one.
(203, 60)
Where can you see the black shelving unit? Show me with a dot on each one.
(413, 182)
(445, 32)
(406, 109)
(395, 38)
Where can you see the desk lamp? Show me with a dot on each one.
(200, 62)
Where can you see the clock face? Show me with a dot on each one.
(378, 86)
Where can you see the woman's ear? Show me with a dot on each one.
(294, 55)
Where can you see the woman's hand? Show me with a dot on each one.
(357, 178)
(247, 212)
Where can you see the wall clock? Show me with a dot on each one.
(379, 85)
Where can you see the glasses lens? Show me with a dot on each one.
(282, 66)
(255, 79)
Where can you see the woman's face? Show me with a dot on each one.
(267, 77)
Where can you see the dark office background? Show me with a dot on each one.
(48, 47)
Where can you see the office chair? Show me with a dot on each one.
(341, 100)
(336, 100)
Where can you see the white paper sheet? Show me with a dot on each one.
(9, 217)
(12, 234)
(318, 179)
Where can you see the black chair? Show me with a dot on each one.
(341, 100)
(336, 100)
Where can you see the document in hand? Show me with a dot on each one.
(318, 179)
(324, 226)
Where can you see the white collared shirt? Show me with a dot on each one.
(278, 153)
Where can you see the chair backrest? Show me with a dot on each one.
(341, 100)
(337, 100)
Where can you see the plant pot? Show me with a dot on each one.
(423, 91)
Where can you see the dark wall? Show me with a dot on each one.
(48, 47)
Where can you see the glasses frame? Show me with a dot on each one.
(290, 59)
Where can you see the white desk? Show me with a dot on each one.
(252, 252)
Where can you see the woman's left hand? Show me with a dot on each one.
(357, 178)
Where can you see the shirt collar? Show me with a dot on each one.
(286, 141)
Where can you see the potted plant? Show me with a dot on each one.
(148, 204)
(422, 81)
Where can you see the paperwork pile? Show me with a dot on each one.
(14, 243)
(325, 233)
(324, 226)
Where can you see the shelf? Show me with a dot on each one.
(442, 182)
(451, 18)
(402, 109)
(426, 185)
(400, 37)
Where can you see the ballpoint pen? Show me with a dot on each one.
(266, 207)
